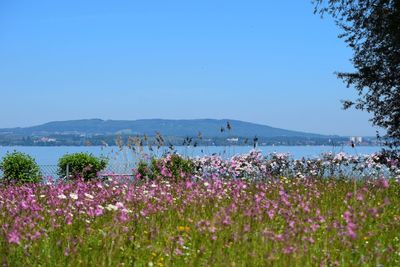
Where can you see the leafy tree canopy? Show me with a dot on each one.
(372, 29)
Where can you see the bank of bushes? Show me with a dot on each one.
(22, 168)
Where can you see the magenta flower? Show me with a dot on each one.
(123, 216)
(288, 250)
(178, 252)
(383, 183)
(351, 233)
(347, 216)
(271, 213)
(99, 211)
(13, 237)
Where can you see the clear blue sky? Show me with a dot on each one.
(269, 62)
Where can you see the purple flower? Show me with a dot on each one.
(13, 237)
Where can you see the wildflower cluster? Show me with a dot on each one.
(171, 167)
(256, 166)
(206, 219)
(283, 221)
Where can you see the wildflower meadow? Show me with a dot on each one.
(250, 210)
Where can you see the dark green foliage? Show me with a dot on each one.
(20, 168)
(172, 167)
(143, 171)
(372, 30)
(81, 165)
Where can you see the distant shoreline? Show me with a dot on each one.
(49, 155)
(236, 145)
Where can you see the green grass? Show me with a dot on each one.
(181, 233)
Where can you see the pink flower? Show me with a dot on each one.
(360, 197)
(123, 216)
(288, 250)
(68, 219)
(227, 220)
(271, 213)
(98, 212)
(24, 205)
(165, 172)
(383, 183)
(314, 227)
(189, 184)
(13, 237)
(346, 216)
(178, 252)
(36, 235)
(279, 237)
(351, 233)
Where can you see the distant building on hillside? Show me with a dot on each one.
(46, 140)
(356, 139)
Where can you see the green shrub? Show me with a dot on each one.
(20, 167)
(143, 171)
(81, 165)
(171, 167)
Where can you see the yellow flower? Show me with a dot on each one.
(184, 229)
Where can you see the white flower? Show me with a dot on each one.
(73, 196)
(62, 196)
(111, 207)
(206, 184)
(127, 210)
(89, 196)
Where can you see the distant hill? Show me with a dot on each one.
(179, 128)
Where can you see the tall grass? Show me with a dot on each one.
(209, 222)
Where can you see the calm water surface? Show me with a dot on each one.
(50, 155)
